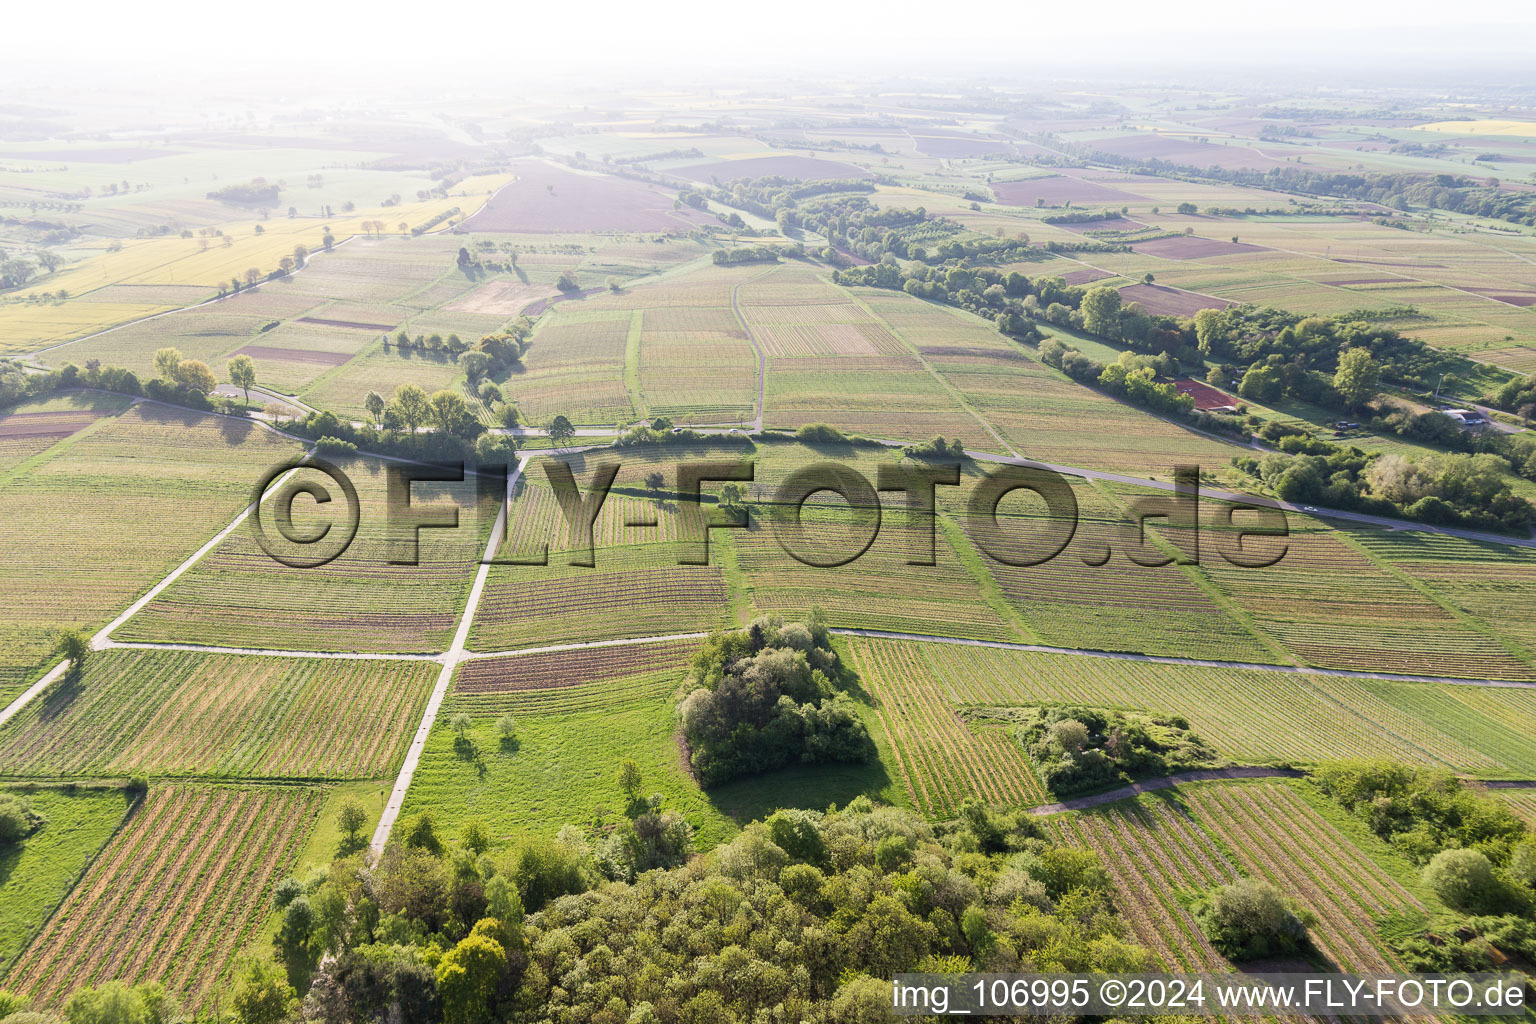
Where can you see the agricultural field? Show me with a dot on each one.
(536, 593)
(175, 895)
(1094, 596)
(384, 593)
(209, 262)
(1374, 621)
(29, 429)
(1490, 584)
(577, 718)
(1522, 802)
(109, 513)
(942, 759)
(430, 713)
(832, 360)
(169, 713)
(1252, 716)
(37, 875)
(1036, 411)
(548, 197)
(575, 367)
(1158, 848)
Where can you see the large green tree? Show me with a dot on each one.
(1101, 311)
(411, 405)
(1357, 377)
(242, 374)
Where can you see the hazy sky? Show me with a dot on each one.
(521, 39)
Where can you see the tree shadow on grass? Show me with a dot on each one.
(59, 697)
(466, 749)
(813, 787)
(350, 845)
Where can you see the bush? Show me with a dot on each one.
(10, 1003)
(335, 446)
(820, 433)
(1080, 748)
(1464, 879)
(1249, 920)
(1422, 811)
(18, 819)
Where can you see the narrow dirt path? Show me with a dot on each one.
(1081, 803)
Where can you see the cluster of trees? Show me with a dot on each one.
(768, 696)
(113, 1002)
(1477, 857)
(179, 377)
(434, 220)
(1448, 489)
(1517, 395)
(935, 448)
(17, 271)
(658, 431)
(746, 254)
(256, 192)
(453, 344)
(804, 916)
(768, 195)
(1079, 748)
(1133, 378)
(411, 409)
(1459, 193)
(1306, 350)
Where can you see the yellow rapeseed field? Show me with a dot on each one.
(208, 262)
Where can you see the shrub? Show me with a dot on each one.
(1249, 920)
(820, 433)
(1463, 879)
(18, 819)
(335, 446)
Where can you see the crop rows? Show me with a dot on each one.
(537, 520)
(1336, 609)
(239, 596)
(97, 523)
(1252, 716)
(942, 761)
(633, 591)
(720, 320)
(597, 692)
(789, 286)
(1123, 606)
(877, 590)
(1494, 583)
(816, 313)
(1522, 802)
(175, 713)
(1275, 836)
(181, 889)
(557, 669)
(698, 377)
(1155, 852)
(575, 369)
